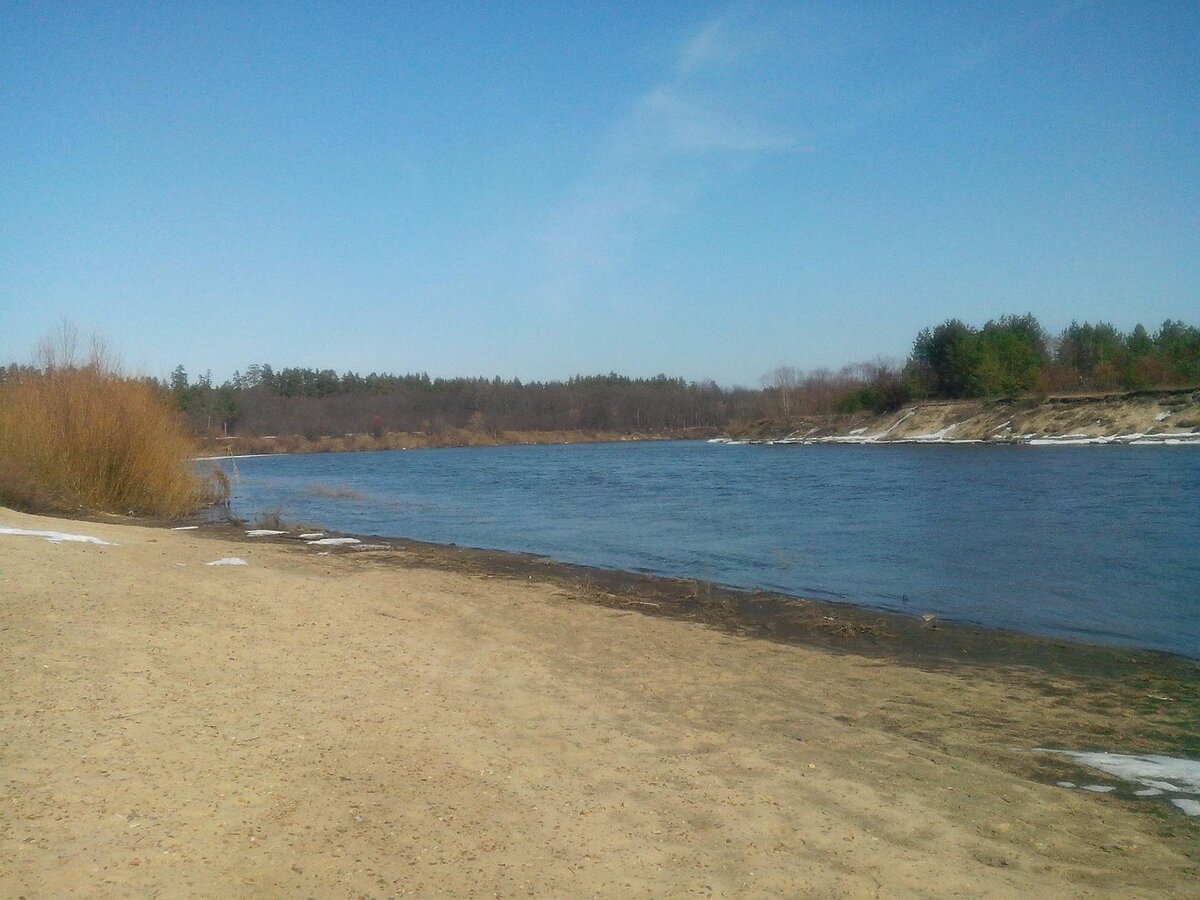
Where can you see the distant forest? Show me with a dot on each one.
(1009, 356)
(312, 403)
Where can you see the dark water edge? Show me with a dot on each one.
(1093, 544)
(837, 627)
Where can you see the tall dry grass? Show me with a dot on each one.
(79, 435)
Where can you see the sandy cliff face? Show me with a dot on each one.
(1158, 417)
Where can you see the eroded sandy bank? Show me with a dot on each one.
(1148, 418)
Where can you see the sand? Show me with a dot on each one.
(314, 725)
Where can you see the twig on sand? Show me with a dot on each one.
(130, 715)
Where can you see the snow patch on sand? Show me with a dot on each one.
(313, 535)
(1150, 772)
(228, 561)
(1168, 772)
(263, 532)
(334, 541)
(185, 527)
(934, 436)
(57, 537)
(904, 418)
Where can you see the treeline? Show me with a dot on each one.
(1015, 355)
(1011, 355)
(1008, 356)
(312, 403)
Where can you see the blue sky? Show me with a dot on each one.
(543, 189)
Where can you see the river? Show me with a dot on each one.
(1100, 544)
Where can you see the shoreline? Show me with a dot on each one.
(839, 626)
(1162, 417)
(1122, 440)
(1133, 440)
(403, 720)
(770, 611)
(275, 445)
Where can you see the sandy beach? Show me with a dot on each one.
(378, 725)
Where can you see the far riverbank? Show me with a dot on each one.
(449, 437)
(1164, 417)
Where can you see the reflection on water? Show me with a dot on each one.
(1097, 543)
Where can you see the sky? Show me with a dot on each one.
(543, 189)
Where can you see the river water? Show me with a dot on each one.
(1100, 544)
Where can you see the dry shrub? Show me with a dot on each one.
(80, 435)
(325, 444)
(19, 490)
(271, 519)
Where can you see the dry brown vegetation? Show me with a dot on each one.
(76, 434)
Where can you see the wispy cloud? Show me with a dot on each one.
(705, 46)
(760, 80)
(720, 40)
(676, 120)
(674, 139)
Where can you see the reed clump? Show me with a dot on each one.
(82, 436)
